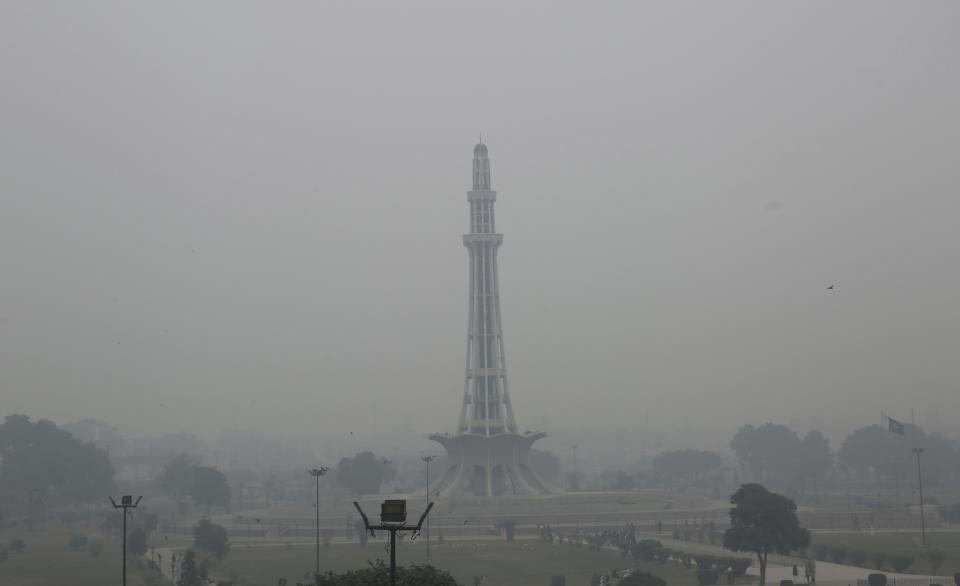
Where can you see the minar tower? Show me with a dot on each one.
(486, 456)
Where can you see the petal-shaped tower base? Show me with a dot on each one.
(488, 465)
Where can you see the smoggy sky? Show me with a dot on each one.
(248, 214)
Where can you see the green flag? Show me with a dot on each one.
(891, 424)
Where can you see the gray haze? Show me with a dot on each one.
(248, 215)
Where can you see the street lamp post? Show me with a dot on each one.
(573, 481)
(923, 529)
(317, 473)
(427, 460)
(126, 503)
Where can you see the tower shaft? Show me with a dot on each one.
(486, 406)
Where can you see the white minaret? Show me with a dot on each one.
(486, 402)
(486, 456)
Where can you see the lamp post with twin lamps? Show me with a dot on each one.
(427, 460)
(317, 473)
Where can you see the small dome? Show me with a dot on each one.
(480, 150)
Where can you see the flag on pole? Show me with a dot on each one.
(891, 424)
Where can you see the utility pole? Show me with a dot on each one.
(923, 528)
(317, 473)
(428, 459)
(126, 503)
(393, 517)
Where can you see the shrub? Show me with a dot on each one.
(705, 561)
(17, 546)
(878, 559)
(858, 557)
(739, 566)
(877, 579)
(77, 542)
(707, 576)
(662, 554)
(900, 562)
(640, 578)
(838, 554)
(644, 549)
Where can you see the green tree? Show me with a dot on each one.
(177, 476)
(40, 455)
(191, 573)
(210, 488)
(762, 522)
(211, 538)
(364, 473)
(770, 452)
(545, 463)
(815, 459)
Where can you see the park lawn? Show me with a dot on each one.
(519, 563)
(48, 559)
(898, 543)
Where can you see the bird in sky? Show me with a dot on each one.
(830, 288)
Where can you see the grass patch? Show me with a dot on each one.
(899, 543)
(48, 559)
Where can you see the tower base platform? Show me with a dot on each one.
(488, 465)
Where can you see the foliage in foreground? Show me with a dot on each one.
(641, 579)
(378, 574)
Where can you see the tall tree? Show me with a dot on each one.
(364, 473)
(211, 538)
(210, 488)
(770, 452)
(38, 456)
(815, 459)
(178, 476)
(545, 463)
(191, 573)
(762, 522)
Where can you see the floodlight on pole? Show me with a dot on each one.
(427, 460)
(317, 473)
(923, 528)
(126, 503)
(393, 518)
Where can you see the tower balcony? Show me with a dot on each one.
(479, 238)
